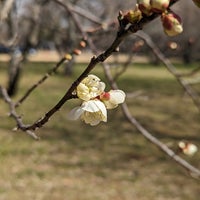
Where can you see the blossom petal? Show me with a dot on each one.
(90, 106)
(117, 96)
(91, 118)
(102, 86)
(102, 108)
(90, 87)
(94, 112)
(83, 92)
(75, 113)
(93, 77)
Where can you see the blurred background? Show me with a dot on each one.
(43, 24)
(113, 160)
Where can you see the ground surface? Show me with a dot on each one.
(74, 161)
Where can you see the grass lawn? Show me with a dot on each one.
(111, 161)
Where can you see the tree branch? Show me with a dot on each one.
(13, 113)
(80, 11)
(192, 73)
(194, 172)
(120, 36)
(171, 68)
(6, 9)
(69, 94)
(34, 86)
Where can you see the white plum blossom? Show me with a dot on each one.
(96, 101)
(91, 112)
(187, 148)
(90, 87)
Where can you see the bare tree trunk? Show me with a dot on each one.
(187, 54)
(14, 71)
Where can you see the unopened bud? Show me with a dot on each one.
(171, 23)
(82, 44)
(120, 16)
(68, 56)
(197, 3)
(159, 6)
(144, 6)
(77, 52)
(133, 16)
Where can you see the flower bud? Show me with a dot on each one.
(68, 56)
(144, 6)
(133, 16)
(82, 44)
(187, 148)
(104, 96)
(171, 23)
(197, 3)
(77, 52)
(159, 6)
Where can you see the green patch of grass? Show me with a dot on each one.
(110, 161)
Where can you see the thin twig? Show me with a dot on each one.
(13, 113)
(193, 171)
(125, 66)
(94, 61)
(192, 73)
(68, 9)
(171, 68)
(193, 81)
(34, 86)
(67, 57)
(81, 12)
(121, 35)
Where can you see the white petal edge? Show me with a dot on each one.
(90, 106)
(92, 76)
(75, 113)
(102, 108)
(102, 86)
(117, 96)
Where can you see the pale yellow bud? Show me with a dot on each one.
(68, 56)
(133, 16)
(159, 5)
(144, 6)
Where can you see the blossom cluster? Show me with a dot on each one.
(187, 148)
(95, 101)
(171, 22)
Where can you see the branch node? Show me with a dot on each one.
(32, 134)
